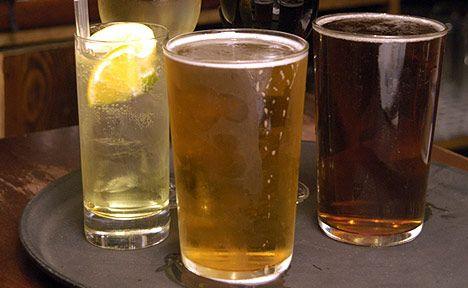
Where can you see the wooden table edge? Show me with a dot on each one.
(444, 156)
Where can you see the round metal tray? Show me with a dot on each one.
(52, 233)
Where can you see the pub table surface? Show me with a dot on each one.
(437, 258)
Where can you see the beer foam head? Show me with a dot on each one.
(237, 48)
(379, 28)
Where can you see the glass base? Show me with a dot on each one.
(369, 240)
(128, 234)
(303, 192)
(268, 274)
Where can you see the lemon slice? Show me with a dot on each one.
(128, 68)
(107, 38)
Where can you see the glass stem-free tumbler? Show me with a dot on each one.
(377, 86)
(236, 99)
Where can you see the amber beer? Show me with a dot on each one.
(236, 101)
(377, 86)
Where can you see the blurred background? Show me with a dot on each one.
(37, 68)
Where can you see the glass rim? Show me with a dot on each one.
(363, 37)
(230, 34)
(150, 25)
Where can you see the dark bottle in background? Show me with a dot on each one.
(292, 16)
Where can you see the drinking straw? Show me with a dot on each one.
(82, 18)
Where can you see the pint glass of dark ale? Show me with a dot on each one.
(377, 86)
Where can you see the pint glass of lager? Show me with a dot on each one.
(236, 102)
(377, 86)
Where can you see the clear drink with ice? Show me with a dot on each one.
(124, 136)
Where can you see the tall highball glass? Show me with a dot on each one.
(124, 135)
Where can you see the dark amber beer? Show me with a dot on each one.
(377, 86)
(236, 99)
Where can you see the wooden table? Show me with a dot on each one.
(30, 162)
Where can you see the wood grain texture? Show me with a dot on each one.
(35, 36)
(210, 16)
(209, 4)
(394, 6)
(39, 88)
(31, 14)
(457, 142)
(2, 99)
(27, 165)
(447, 157)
